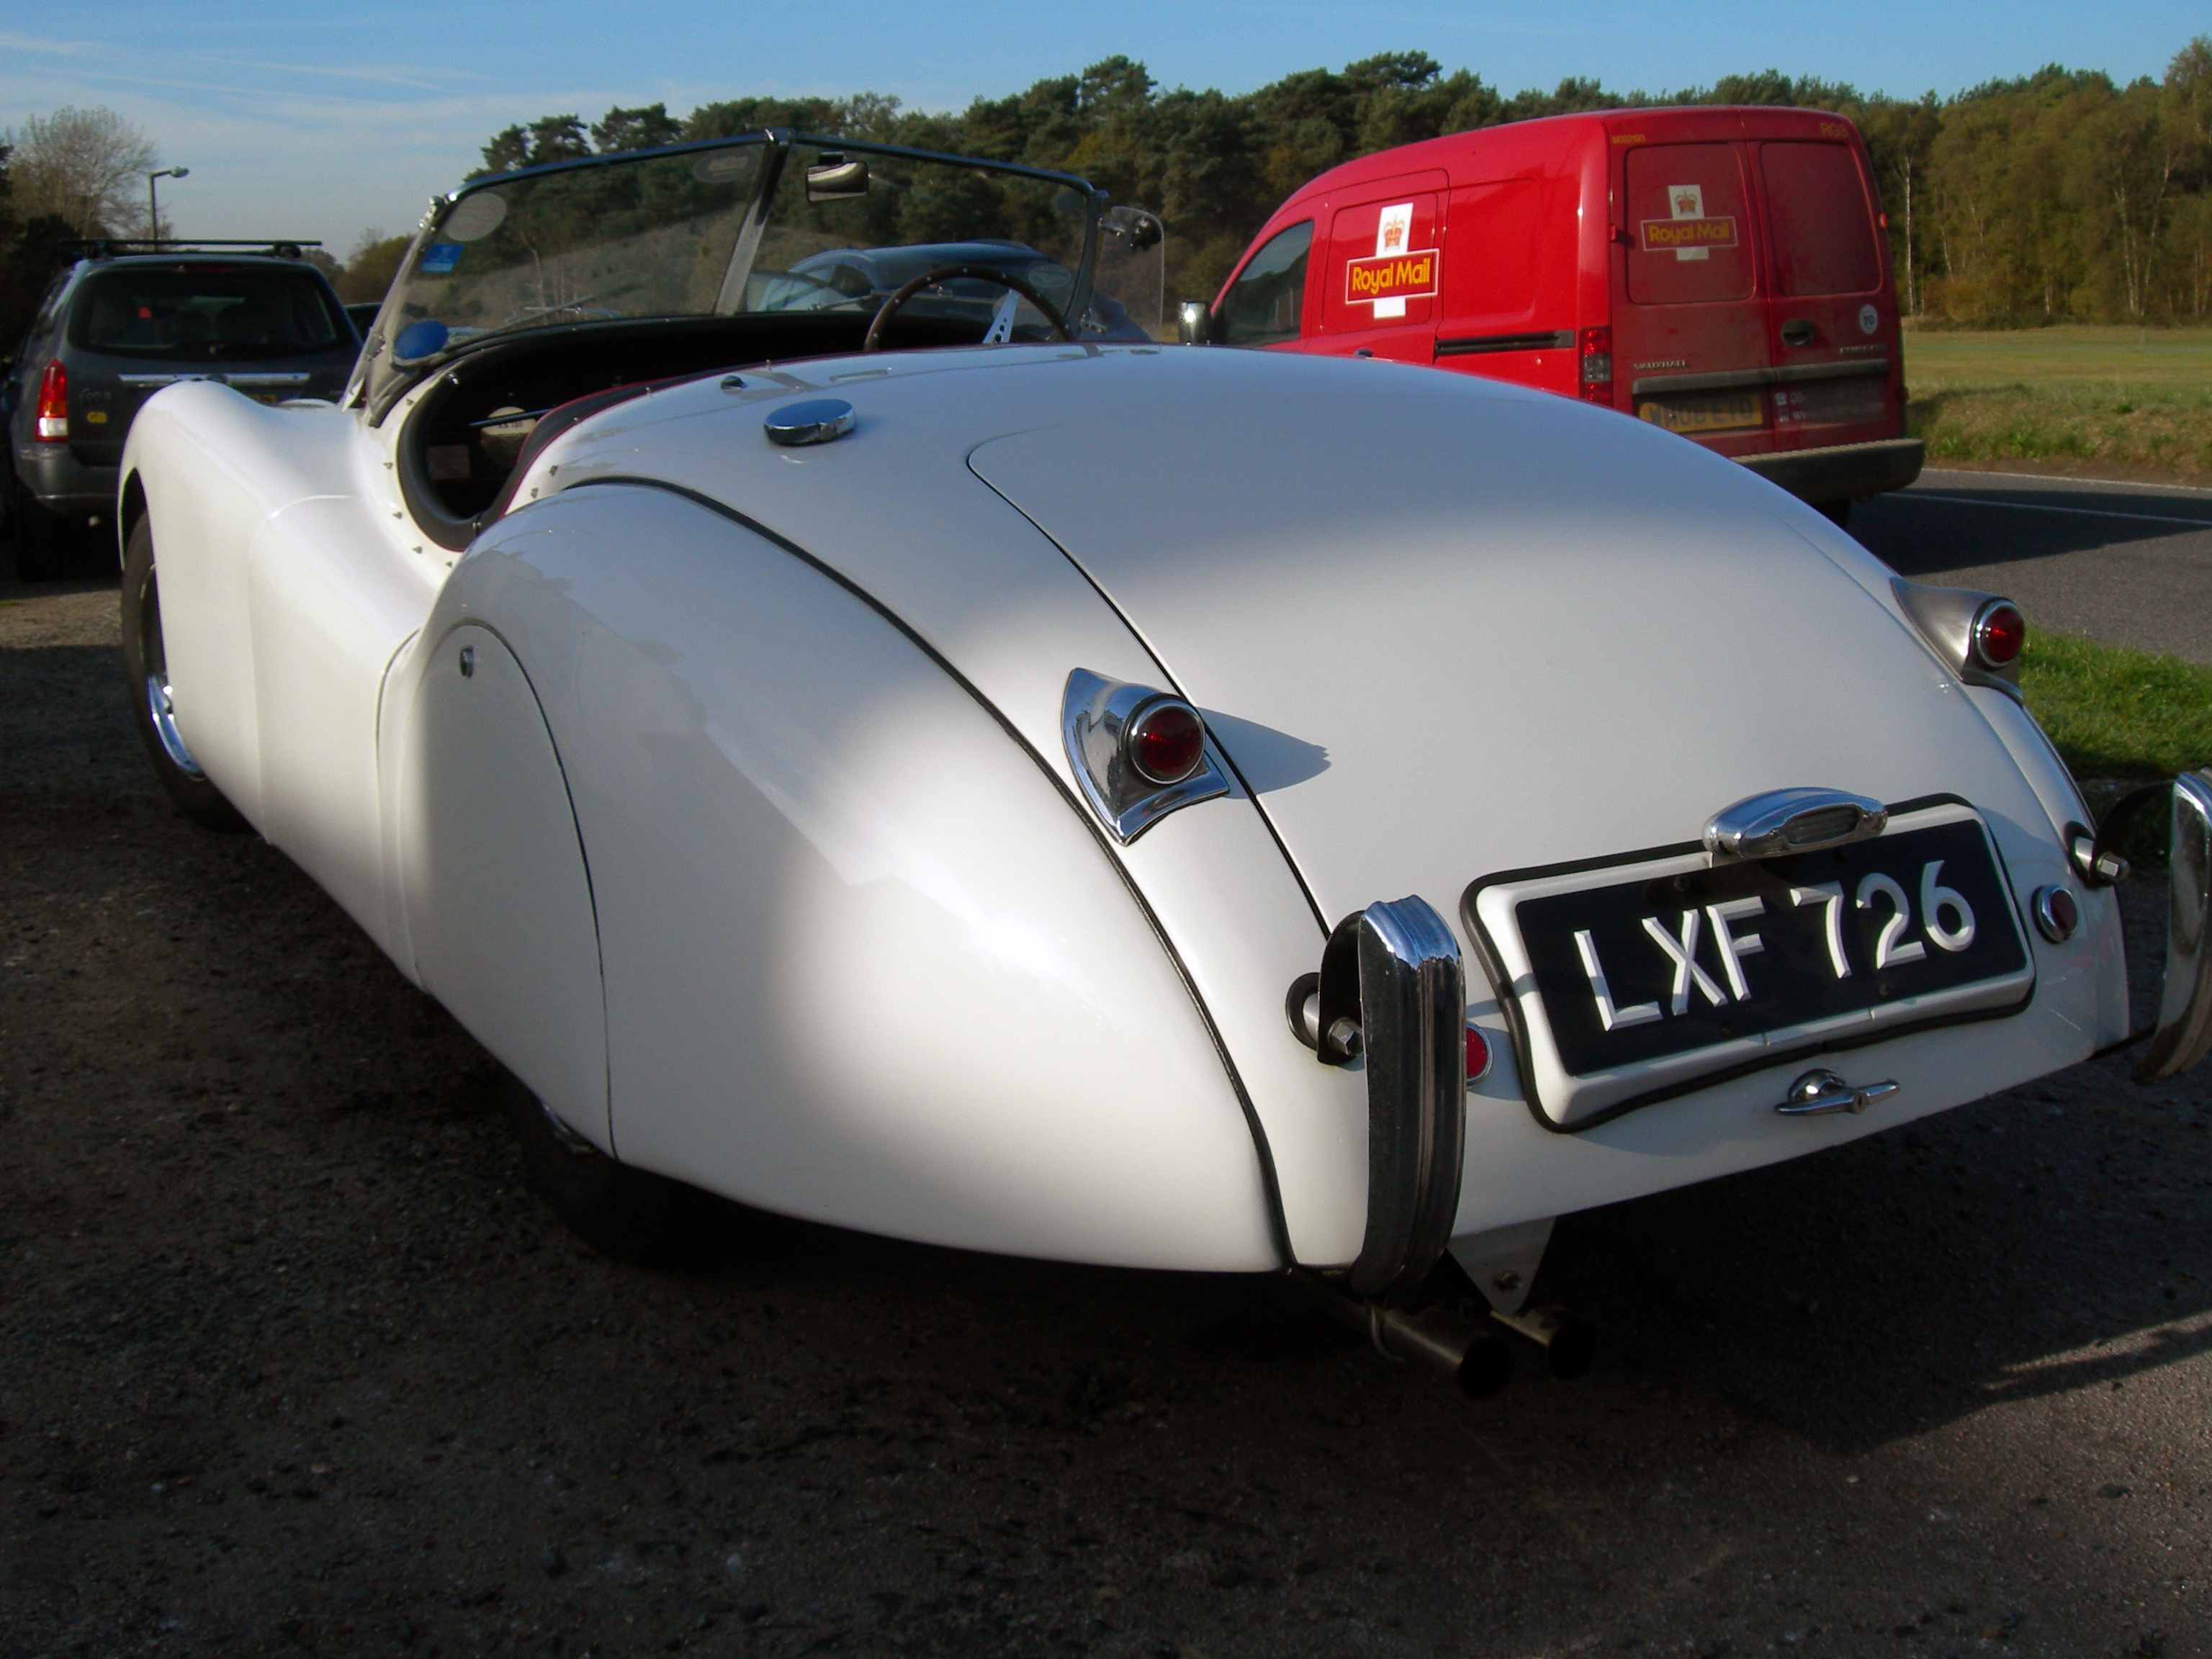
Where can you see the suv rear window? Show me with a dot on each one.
(1688, 240)
(204, 315)
(1822, 226)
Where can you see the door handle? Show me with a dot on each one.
(1798, 331)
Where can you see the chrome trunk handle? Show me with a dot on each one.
(1819, 1093)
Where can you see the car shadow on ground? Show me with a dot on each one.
(2015, 1247)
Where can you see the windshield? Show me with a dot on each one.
(207, 314)
(766, 223)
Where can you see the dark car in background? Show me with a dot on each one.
(113, 331)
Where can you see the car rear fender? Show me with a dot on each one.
(865, 959)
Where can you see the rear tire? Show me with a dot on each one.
(146, 675)
(619, 1211)
(1837, 512)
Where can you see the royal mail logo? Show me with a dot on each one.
(1661, 234)
(1391, 276)
(1393, 236)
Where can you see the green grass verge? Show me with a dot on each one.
(2117, 714)
(2128, 399)
(2177, 358)
(2125, 428)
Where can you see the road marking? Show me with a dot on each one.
(2064, 480)
(2038, 506)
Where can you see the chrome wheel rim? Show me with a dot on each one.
(160, 707)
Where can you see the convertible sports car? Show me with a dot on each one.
(1104, 801)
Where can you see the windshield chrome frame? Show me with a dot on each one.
(779, 142)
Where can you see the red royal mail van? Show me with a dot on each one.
(1719, 272)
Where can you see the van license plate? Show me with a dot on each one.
(1703, 414)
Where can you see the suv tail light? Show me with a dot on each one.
(53, 404)
(1593, 346)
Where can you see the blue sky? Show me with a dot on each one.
(317, 121)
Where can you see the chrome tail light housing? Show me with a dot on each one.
(1139, 753)
(1978, 636)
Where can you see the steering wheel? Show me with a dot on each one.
(946, 273)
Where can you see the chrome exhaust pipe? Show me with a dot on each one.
(1478, 1362)
(1568, 1340)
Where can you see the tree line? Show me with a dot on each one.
(2057, 195)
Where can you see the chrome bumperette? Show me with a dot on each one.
(1392, 980)
(1793, 821)
(1093, 714)
(1948, 619)
(2184, 1032)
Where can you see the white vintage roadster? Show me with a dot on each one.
(1069, 796)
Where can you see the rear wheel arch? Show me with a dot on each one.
(129, 509)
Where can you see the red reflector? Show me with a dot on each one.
(1167, 742)
(52, 424)
(1478, 1055)
(2000, 632)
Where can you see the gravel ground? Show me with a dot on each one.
(288, 1360)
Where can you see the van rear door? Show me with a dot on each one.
(1835, 326)
(1383, 269)
(1690, 335)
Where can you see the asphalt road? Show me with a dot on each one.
(290, 1363)
(2128, 564)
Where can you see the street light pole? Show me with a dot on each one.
(153, 201)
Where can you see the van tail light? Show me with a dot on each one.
(1593, 346)
(53, 404)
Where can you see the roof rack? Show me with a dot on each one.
(106, 247)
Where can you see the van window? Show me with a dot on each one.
(1688, 240)
(1266, 300)
(1822, 227)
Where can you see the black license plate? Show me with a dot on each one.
(1632, 971)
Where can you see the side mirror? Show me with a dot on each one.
(1134, 225)
(834, 178)
(1194, 323)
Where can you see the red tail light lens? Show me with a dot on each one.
(1478, 1055)
(2000, 632)
(1166, 741)
(1593, 346)
(52, 426)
